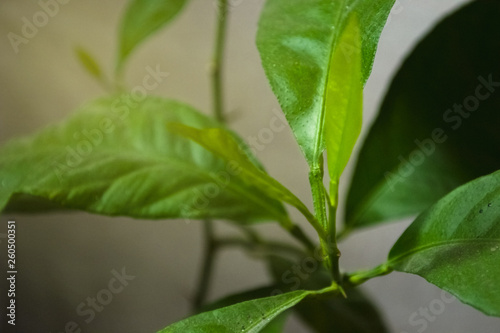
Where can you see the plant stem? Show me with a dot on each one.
(218, 60)
(357, 278)
(320, 198)
(218, 111)
(208, 261)
(332, 232)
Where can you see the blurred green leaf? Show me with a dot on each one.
(296, 39)
(116, 157)
(425, 142)
(221, 142)
(89, 63)
(142, 18)
(456, 244)
(344, 105)
(251, 316)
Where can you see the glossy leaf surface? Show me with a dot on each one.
(439, 123)
(143, 18)
(247, 317)
(116, 157)
(296, 40)
(89, 63)
(456, 244)
(275, 326)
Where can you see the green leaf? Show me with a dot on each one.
(419, 148)
(275, 326)
(251, 316)
(143, 18)
(456, 244)
(248, 295)
(296, 40)
(89, 63)
(116, 157)
(222, 143)
(344, 105)
(354, 314)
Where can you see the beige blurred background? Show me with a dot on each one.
(65, 258)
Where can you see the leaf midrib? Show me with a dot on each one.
(423, 248)
(284, 306)
(321, 116)
(159, 160)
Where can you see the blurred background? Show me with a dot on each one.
(63, 259)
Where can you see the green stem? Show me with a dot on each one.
(334, 252)
(332, 232)
(218, 60)
(208, 261)
(218, 110)
(318, 193)
(357, 278)
(320, 199)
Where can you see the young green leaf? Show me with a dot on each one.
(143, 18)
(247, 317)
(222, 143)
(438, 126)
(456, 244)
(296, 39)
(116, 157)
(344, 104)
(89, 63)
